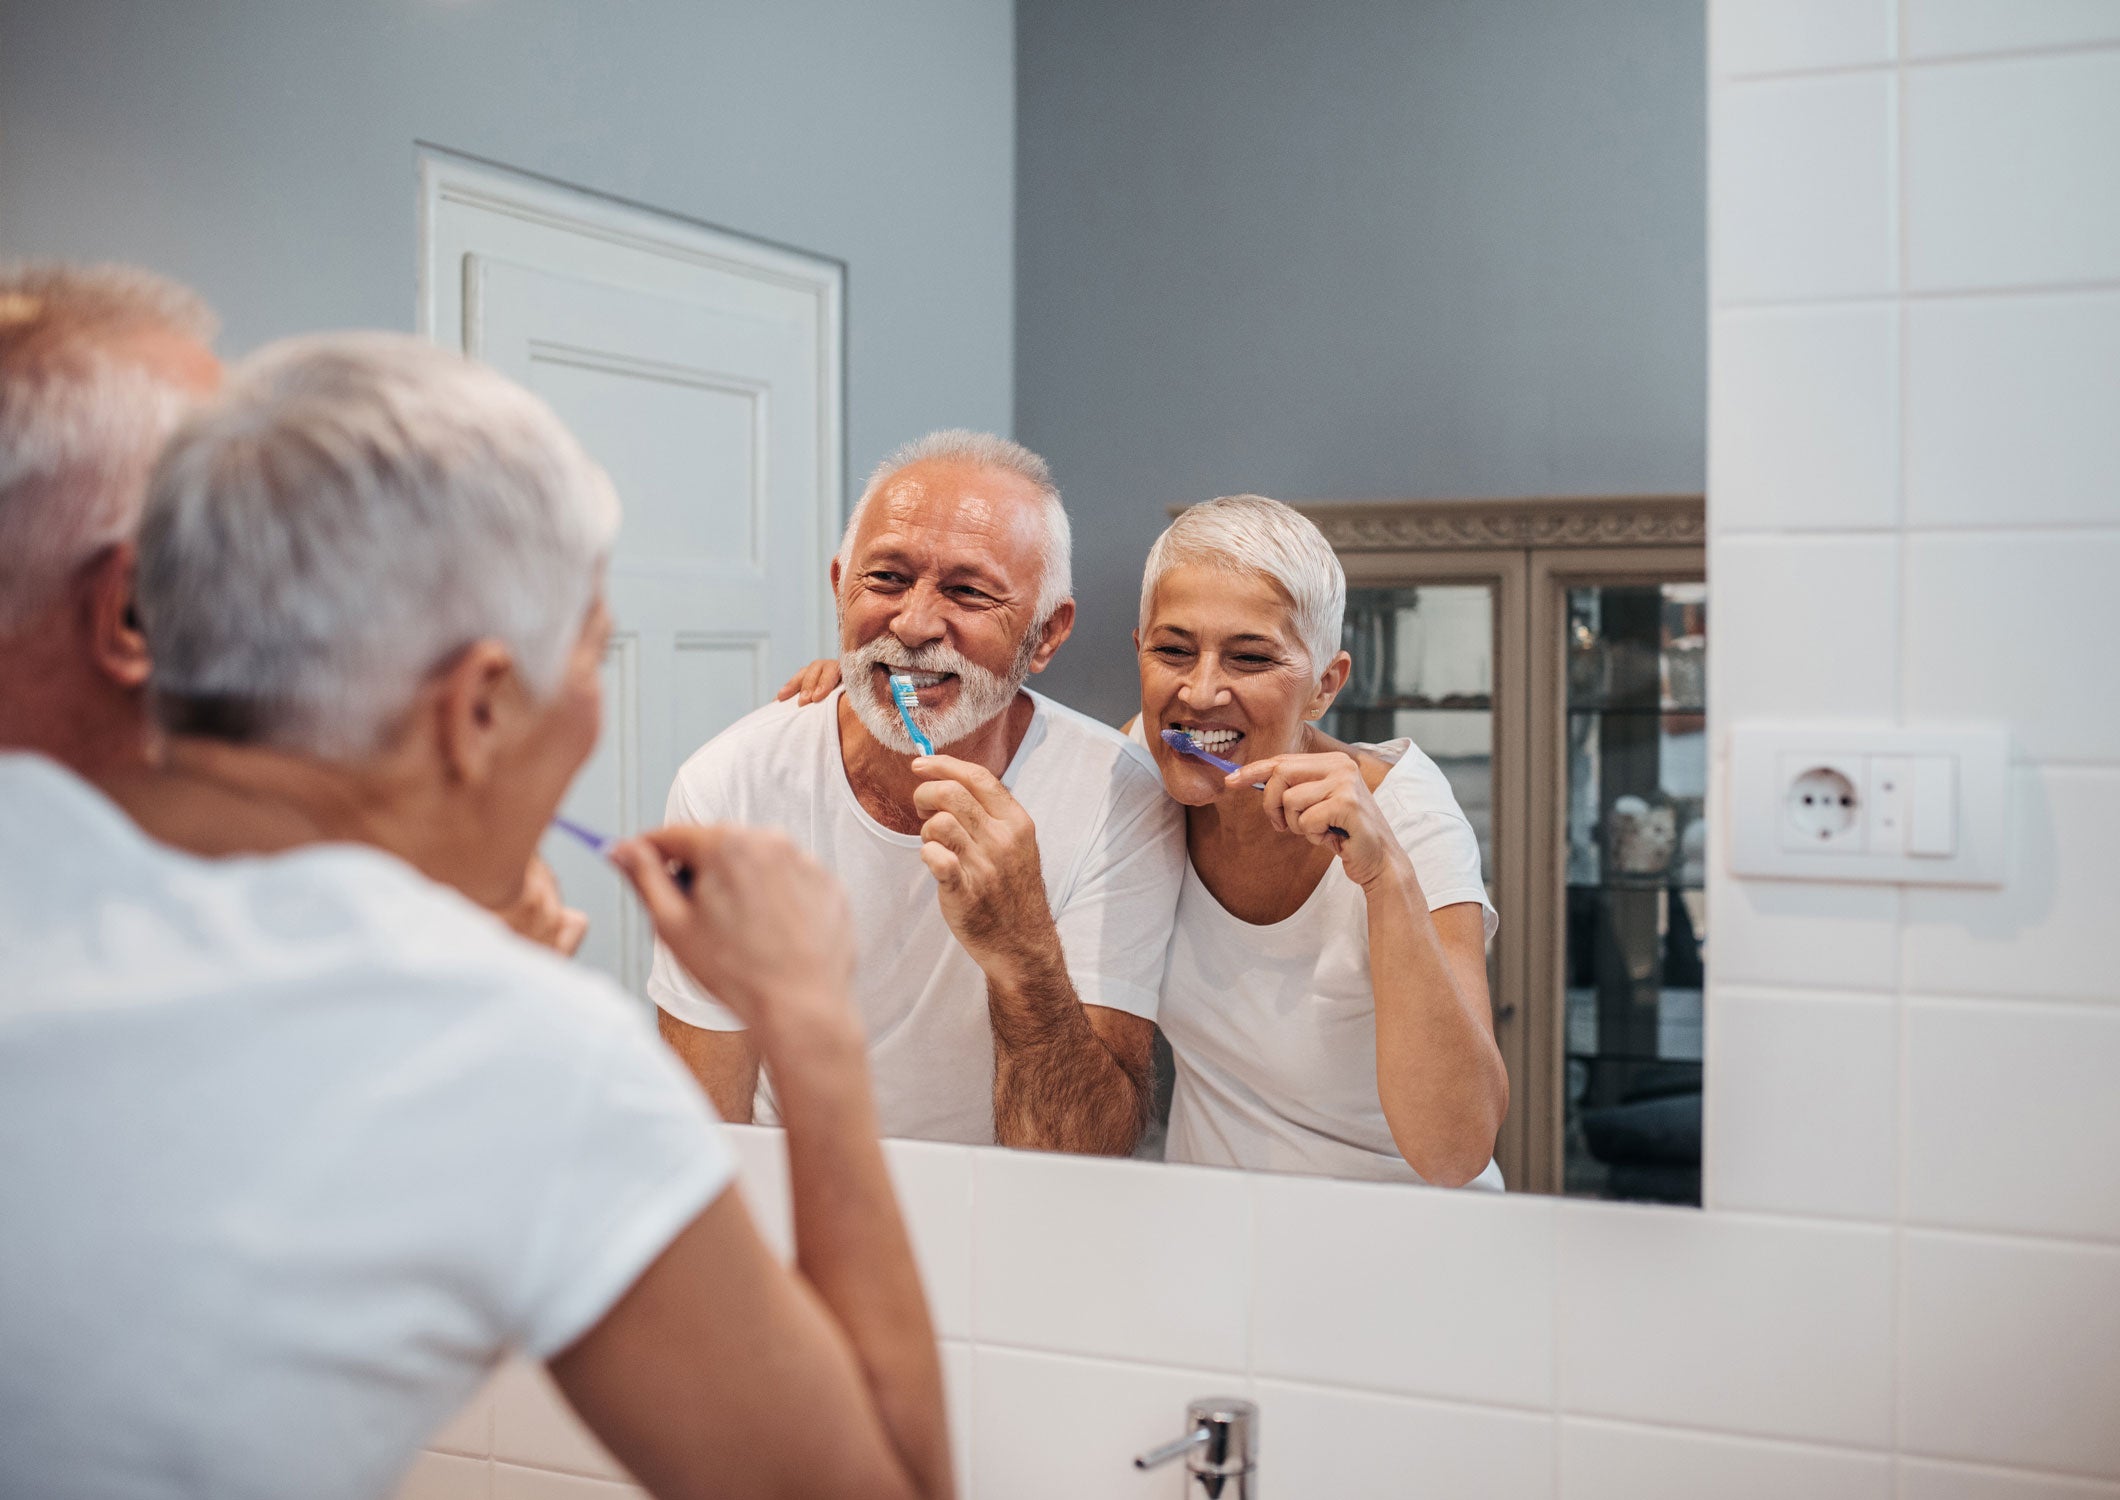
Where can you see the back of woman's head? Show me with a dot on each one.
(1253, 535)
(350, 513)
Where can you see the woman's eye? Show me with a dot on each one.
(1255, 661)
(1170, 653)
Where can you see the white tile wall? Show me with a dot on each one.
(2011, 627)
(2013, 1112)
(1351, 1445)
(1804, 1114)
(2003, 185)
(2010, 1352)
(1751, 1325)
(1802, 204)
(1830, 1332)
(1780, 36)
(1473, 1321)
(2009, 404)
(1805, 414)
(2049, 930)
(1946, 28)
(1620, 1461)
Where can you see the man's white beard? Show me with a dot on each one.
(981, 695)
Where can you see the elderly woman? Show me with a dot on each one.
(1325, 997)
(1326, 993)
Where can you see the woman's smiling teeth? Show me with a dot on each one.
(1216, 740)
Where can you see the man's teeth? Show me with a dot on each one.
(1214, 739)
(919, 679)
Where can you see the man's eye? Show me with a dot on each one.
(887, 580)
(966, 591)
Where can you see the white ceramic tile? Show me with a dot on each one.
(1801, 193)
(534, 1426)
(2013, 1117)
(1136, 1260)
(1785, 36)
(1744, 1325)
(1802, 1099)
(446, 1476)
(957, 1389)
(934, 1184)
(1054, 1427)
(2009, 408)
(1349, 1445)
(511, 1482)
(1795, 932)
(762, 1174)
(1930, 1479)
(2010, 1351)
(2009, 172)
(1946, 28)
(470, 1431)
(2018, 627)
(1803, 418)
(1618, 1461)
(1414, 1290)
(2049, 929)
(1806, 627)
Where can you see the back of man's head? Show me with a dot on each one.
(349, 515)
(97, 364)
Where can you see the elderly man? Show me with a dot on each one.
(97, 364)
(295, 1141)
(1012, 893)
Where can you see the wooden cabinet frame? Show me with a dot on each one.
(1531, 552)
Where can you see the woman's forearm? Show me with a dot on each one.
(851, 1243)
(1439, 1074)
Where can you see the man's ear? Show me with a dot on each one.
(1329, 685)
(116, 643)
(475, 699)
(1057, 630)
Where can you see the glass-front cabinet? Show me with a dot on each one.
(1551, 657)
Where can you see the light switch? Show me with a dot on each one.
(1932, 827)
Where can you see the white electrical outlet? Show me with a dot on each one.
(1857, 802)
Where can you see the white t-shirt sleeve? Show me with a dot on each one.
(1116, 917)
(635, 1155)
(669, 985)
(1432, 829)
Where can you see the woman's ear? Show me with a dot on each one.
(116, 642)
(476, 698)
(1329, 685)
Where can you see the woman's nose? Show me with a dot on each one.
(1202, 687)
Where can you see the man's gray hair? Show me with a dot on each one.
(1255, 535)
(351, 513)
(81, 416)
(984, 450)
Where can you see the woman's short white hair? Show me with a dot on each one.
(987, 451)
(81, 416)
(1255, 535)
(352, 512)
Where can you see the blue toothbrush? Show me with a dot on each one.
(1185, 744)
(907, 697)
(601, 844)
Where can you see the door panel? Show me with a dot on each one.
(702, 372)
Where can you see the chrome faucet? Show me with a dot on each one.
(1220, 1448)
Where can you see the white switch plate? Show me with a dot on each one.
(1931, 805)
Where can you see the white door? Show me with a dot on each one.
(702, 371)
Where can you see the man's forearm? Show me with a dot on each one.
(1057, 1086)
(851, 1243)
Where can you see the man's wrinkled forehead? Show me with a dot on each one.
(955, 511)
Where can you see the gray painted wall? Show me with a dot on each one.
(1351, 249)
(263, 152)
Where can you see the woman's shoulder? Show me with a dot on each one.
(1404, 780)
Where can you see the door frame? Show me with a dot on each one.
(447, 176)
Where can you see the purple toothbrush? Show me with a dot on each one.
(601, 844)
(1185, 744)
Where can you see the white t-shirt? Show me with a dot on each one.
(292, 1150)
(1111, 846)
(1274, 1027)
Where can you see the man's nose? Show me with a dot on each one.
(920, 616)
